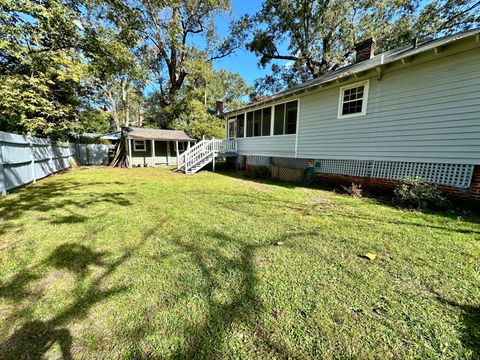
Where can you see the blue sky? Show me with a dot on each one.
(243, 61)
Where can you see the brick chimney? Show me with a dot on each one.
(219, 108)
(365, 49)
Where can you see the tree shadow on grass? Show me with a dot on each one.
(472, 217)
(34, 338)
(243, 307)
(471, 322)
(59, 195)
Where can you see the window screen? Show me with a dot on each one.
(257, 120)
(231, 127)
(279, 119)
(266, 121)
(240, 125)
(250, 124)
(291, 118)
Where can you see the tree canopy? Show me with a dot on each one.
(316, 36)
(90, 65)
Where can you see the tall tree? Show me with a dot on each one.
(315, 36)
(175, 34)
(40, 71)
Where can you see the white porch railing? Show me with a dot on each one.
(203, 152)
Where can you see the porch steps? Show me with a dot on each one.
(203, 153)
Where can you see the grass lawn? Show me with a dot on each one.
(145, 263)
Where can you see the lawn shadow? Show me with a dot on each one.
(58, 195)
(36, 337)
(471, 322)
(466, 216)
(243, 308)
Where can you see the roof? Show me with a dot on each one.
(156, 134)
(89, 135)
(115, 135)
(382, 59)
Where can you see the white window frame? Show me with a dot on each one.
(365, 84)
(138, 141)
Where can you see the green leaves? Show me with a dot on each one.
(318, 35)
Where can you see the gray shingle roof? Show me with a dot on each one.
(382, 59)
(156, 134)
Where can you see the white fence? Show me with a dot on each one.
(25, 159)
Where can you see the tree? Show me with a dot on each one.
(117, 72)
(316, 36)
(208, 86)
(39, 70)
(95, 121)
(194, 108)
(171, 33)
(197, 122)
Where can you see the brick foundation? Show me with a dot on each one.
(374, 185)
(387, 186)
(475, 187)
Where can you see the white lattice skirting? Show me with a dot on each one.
(455, 175)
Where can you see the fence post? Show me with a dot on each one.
(3, 180)
(32, 156)
(50, 158)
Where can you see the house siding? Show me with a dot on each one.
(425, 113)
(141, 158)
(280, 145)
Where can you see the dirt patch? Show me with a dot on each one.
(320, 203)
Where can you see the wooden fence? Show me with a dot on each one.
(25, 159)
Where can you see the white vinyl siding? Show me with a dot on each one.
(425, 113)
(281, 145)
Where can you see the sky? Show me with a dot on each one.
(242, 61)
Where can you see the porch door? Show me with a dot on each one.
(161, 152)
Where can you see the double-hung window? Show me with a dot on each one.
(139, 145)
(353, 100)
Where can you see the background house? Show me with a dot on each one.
(154, 147)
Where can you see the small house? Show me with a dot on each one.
(154, 147)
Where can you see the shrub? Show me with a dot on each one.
(259, 172)
(354, 190)
(418, 194)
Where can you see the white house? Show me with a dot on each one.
(411, 111)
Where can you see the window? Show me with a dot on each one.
(240, 125)
(285, 121)
(231, 127)
(279, 119)
(291, 118)
(139, 145)
(257, 122)
(266, 121)
(250, 124)
(353, 99)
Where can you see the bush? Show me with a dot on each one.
(418, 194)
(354, 190)
(259, 172)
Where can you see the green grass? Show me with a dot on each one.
(146, 263)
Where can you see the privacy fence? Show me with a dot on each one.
(90, 154)
(25, 159)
